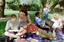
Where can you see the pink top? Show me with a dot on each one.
(56, 22)
(63, 20)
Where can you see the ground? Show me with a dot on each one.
(31, 13)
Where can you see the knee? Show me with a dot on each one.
(6, 33)
(37, 33)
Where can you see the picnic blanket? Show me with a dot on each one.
(33, 37)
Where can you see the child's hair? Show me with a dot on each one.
(45, 5)
(13, 16)
(37, 13)
(24, 10)
(56, 15)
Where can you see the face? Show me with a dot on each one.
(22, 15)
(39, 15)
(46, 5)
(13, 20)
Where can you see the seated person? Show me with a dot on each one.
(63, 25)
(56, 20)
(39, 22)
(12, 27)
(60, 30)
(56, 24)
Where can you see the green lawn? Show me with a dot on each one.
(31, 13)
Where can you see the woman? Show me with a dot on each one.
(23, 17)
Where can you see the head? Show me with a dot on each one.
(56, 16)
(23, 13)
(46, 5)
(13, 18)
(38, 14)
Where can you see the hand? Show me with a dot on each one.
(25, 26)
(43, 24)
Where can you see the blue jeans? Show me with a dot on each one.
(45, 17)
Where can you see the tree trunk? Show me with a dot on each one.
(54, 5)
(17, 4)
(2, 6)
(43, 3)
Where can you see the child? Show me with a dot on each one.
(12, 27)
(45, 12)
(56, 20)
(39, 22)
(60, 31)
(57, 23)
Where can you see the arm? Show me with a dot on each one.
(39, 21)
(49, 11)
(43, 13)
(29, 21)
(13, 30)
(7, 26)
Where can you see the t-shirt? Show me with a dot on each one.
(23, 21)
(12, 26)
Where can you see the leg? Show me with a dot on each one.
(43, 32)
(47, 28)
(10, 35)
(46, 17)
(39, 34)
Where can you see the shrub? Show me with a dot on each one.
(13, 6)
(32, 7)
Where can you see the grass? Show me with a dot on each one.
(31, 13)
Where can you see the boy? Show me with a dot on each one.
(12, 27)
(39, 22)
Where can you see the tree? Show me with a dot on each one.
(55, 3)
(2, 6)
(17, 4)
(62, 5)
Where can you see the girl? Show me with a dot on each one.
(45, 12)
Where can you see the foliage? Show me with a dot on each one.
(61, 3)
(32, 7)
(13, 6)
(2, 28)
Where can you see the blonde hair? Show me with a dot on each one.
(56, 15)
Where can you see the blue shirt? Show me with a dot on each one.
(38, 21)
